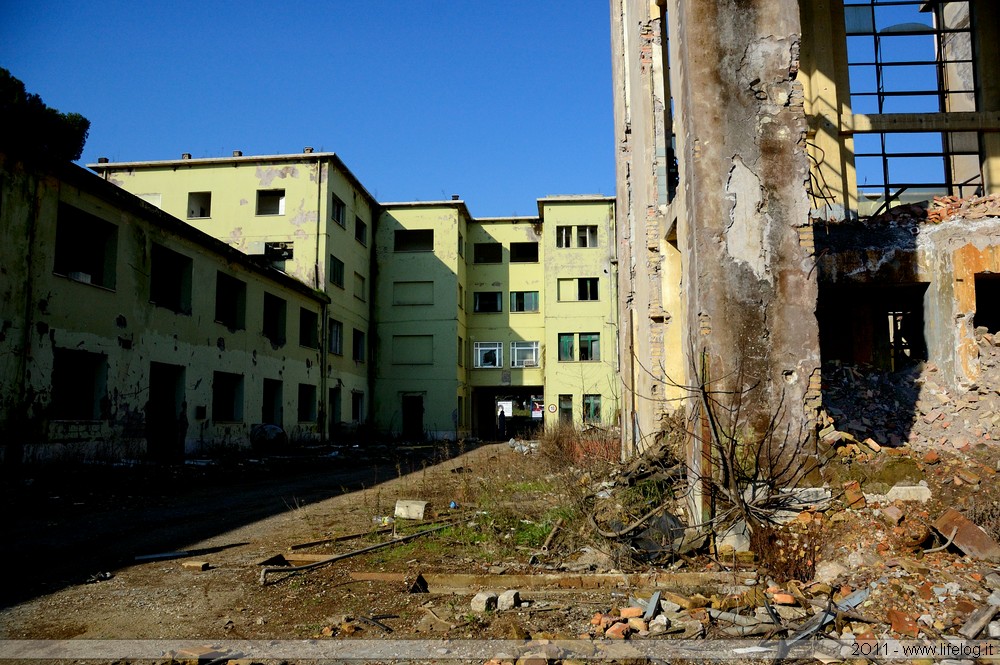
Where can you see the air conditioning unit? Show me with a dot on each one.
(530, 363)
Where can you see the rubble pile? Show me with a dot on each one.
(974, 207)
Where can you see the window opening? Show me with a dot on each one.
(79, 385)
(987, 302)
(230, 301)
(487, 252)
(199, 205)
(274, 319)
(487, 301)
(524, 301)
(86, 247)
(564, 236)
(591, 408)
(524, 252)
(307, 403)
(566, 409)
(358, 346)
(524, 354)
(360, 230)
(336, 337)
(270, 202)
(271, 409)
(590, 346)
(338, 210)
(418, 240)
(586, 236)
(587, 288)
(308, 328)
(567, 351)
(358, 407)
(227, 397)
(487, 355)
(360, 290)
(170, 279)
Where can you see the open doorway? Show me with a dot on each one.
(987, 301)
(413, 416)
(166, 417)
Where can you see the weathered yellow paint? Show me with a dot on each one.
(311, 182)
(45, 311)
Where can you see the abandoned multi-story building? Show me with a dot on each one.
(282, 293)
(775, 163)
(128, 333)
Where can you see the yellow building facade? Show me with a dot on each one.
(305, 214)
(476, 315)
(128, 333)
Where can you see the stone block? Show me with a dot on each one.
(509, 600)
(484, 601)
(918, 493)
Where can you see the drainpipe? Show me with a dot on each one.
(324, 397)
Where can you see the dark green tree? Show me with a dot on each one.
(33, 130)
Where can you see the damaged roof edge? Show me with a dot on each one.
(96, 185)
(458, 204)
(333, 157)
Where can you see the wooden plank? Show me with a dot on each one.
(439, 581)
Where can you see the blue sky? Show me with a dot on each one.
(500, 103)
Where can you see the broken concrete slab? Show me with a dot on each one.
(919, 493)
(968, 537)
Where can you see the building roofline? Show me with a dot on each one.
(96, 185)
(101, 167)
(511, 218)
(572, 198)
(458, 204)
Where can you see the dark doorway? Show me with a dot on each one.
(166, 417)
(987, 301)
(523, 411)
(335, 407)
(413, 417)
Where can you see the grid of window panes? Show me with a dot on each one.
(911, 56)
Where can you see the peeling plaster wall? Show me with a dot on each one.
(749, 286)
(122, 324)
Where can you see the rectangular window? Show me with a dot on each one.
(586, 236)
(413, 349)
(79, 385)
(566, 409)
(524, 301)
(307, 403)
(360, 290)
(336, 271)
(461, 352)
(270, 202)
(358, 347)
(416, 240)
(358, 407)
(487, 301)
(308, 328)
(524, 252)
(487, 355)
(487, 252)
(199, 205)
(360, 231)
(567, 351)
(524, 354)
(227, 397)
(338, 211)
(586, 288)
(170, 279)
(591, 408)
(335, 337)
(413, 293)
(461, 297)
(461, 245)
(590, 346)
(564, 236)
(278, 253)
(271, 412)
(86, 247)
(230, 301)
(274, 319)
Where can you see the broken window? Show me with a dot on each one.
(911, 56)
(566, 408)
(79, 385)
(591, 408)
(524, 354)
(358, 351)
(271, 408)
(590, 346)
(487, 355)
(487, 301)
(227, 397)
(278, 253)
(567, 347)
(270, 202)
(416, 240)
(587, 288)
(360, 230)
(274, 319)
(230, 301)
(987, 301)
(524, 252)
(307, 403)
(357, 406)
(586, 236)
(487, 252)
(170, 279)
(564, 236)
(336, 271)
(360, 288)
(338, 210)
(86, 247)
(524, 301)
(199, 205)
(308, 328)
(335, 336)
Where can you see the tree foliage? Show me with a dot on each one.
(34, 130)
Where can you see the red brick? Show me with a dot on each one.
(619, 631)
(629, 612)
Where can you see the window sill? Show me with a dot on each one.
(110, 289)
